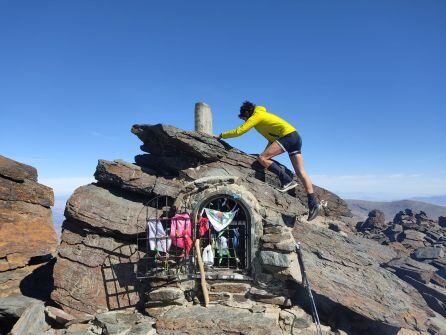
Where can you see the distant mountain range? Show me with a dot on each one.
(436, 200)
(361, 208)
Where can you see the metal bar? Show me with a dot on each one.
(308, 285)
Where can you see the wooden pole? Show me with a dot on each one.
(204, 286)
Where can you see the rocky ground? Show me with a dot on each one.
(97, 291)
(420, 244)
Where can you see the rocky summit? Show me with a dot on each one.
(28, 240)
(106, 283)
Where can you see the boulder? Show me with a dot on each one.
(406, 219)
(58, 315)
(10, 169)
(413, 235)
(32, 321)
(375, 220)
(428, 253)
(14, 305)
(105, 210)
(11, 309)
(27, 232)
(408, 267)
(26, 191)
(133, 178)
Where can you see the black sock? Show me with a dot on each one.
(284, 177)
(312, 200)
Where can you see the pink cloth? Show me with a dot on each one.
(180, 231)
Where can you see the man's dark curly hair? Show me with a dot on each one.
(247, 109)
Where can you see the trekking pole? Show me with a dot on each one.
(308, 285)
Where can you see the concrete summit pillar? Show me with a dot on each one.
(203, 118)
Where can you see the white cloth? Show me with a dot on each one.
(158, 240)
(220, 220)
(222, 246)
(208, 255)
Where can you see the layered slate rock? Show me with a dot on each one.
(95, 271)
(423, 239)
(16, 171)
(99, 231)
(346, 271)
(26, 228)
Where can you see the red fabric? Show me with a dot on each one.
(203, 226)
(187, 244)
(180, 230)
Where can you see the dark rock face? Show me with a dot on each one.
(95, 269)
(376, 220)
(27, 233)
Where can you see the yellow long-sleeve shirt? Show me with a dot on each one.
(269, 125)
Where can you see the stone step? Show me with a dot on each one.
(229, 287)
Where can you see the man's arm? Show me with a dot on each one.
(251, 122)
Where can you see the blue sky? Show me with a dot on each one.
(364, 82)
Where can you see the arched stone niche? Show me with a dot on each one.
(196, 194)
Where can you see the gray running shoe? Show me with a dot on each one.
(288, 186)
(314, 212)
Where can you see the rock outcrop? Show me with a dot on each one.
(419, 243)
(347, 272)
(376, 220)
(27, 235)
(98, 257)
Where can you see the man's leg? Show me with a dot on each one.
(298, 163)
(264, 159)
(270, 151)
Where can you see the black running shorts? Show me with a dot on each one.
(292, 143)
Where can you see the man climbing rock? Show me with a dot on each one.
(281, 137)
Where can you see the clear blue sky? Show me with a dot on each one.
(364, 82)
